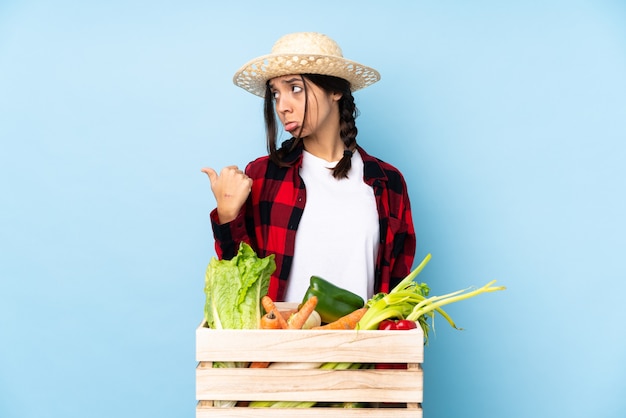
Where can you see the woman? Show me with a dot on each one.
(319, 202)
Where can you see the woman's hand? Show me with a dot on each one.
(231, 189)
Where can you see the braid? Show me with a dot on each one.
(347, 129)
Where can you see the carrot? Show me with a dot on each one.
(269, 306)
(259, 365)
(270, 321)
(297, 320)
(348, 321)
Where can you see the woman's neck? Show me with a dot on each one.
(325, 142)
(329, 149)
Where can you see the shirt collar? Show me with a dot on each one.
(372, 168)
(293, 151)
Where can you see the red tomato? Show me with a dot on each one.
(387, 325)
(390, 366)
(405, 324)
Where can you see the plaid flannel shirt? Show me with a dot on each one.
(269, 219)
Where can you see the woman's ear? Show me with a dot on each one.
(337, 95)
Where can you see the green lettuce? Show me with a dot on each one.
(234, 289)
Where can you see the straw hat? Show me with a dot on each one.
(303, 53)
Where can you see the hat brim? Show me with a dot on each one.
(253, 75)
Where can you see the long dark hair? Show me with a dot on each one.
(348, 112)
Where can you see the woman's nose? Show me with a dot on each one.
(283, 105)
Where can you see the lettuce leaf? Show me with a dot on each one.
(234, 289)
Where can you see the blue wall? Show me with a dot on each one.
(507, 118)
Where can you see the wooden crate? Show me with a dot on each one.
(392, 392)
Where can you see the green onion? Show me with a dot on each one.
(435, 302)
(409, 300)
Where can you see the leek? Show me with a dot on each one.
(410, 300)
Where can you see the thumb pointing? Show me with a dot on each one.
(211, 173)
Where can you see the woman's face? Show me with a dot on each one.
(291, 101)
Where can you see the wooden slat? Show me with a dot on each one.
(308, 413)
(310, 385)
(309, 345)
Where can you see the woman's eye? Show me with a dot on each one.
(296, 89)
(275, 95)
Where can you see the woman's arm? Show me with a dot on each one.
(231, 189)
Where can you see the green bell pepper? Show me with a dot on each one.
(333, 302)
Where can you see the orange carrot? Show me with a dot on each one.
(297, 320)
(348, 321)
(259, 365)
(269, 306)
(270, 321)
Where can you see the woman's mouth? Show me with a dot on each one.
(291, 126)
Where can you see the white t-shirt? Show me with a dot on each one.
(338, 235)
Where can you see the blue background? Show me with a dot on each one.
(507, 119)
